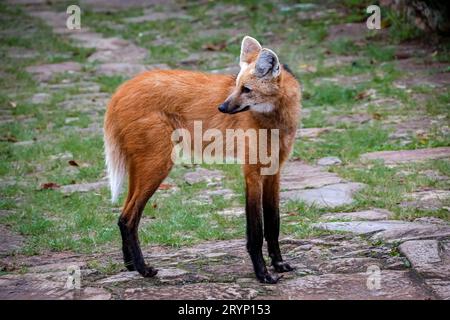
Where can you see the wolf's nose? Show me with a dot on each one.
(223, 107)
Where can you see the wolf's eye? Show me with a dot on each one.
(246, 89)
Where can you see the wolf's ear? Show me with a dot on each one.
(267, 64)
(249, 49)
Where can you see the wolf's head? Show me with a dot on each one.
(258, 82)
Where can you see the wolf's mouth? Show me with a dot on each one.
(240, 110)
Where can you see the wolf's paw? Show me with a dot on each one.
(268, 278)
(282, 267)
(148, 272)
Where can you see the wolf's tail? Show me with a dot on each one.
(115, 164)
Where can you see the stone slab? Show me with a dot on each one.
(333, 195)
(388, 229)
(431, 260)
(393, 285)
(370, 215)
(297, 175)
(45, 72)
(405, 156)
(198, 291)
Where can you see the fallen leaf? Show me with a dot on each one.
(362, 95)
(8, 138)
(377, 116)
(385, 23)
(12, 104)
(73, 163)
(49, 186)
(214, 46)
(366, 94)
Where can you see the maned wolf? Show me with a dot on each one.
(145, 111)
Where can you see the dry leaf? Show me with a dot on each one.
(8, 138)
(362, 95)
(49, 186)
(214, 46)
(366, 94)
(377, 116)
(385, 23)
(73, 163)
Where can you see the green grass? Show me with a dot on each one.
(400, 28)
(348, 145)
(439, 105)
(380, 54)
(85, 222)
(387, 187)
(343, 47)
(330, 94)
(110, 83)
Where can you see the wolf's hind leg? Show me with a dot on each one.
(149, 164)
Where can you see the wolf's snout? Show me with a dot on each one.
(230, 108)
(224, 107)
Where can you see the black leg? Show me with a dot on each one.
(132, 250)
(255, 230)
(127, 257)
(272, 222)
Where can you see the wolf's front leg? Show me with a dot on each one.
(253, 212)
(271, 196)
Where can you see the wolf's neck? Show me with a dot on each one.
(285, 115)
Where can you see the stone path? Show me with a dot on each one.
(331, 267)
(371, 255)
(113, 56)
(107, 50)
(314, 185)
